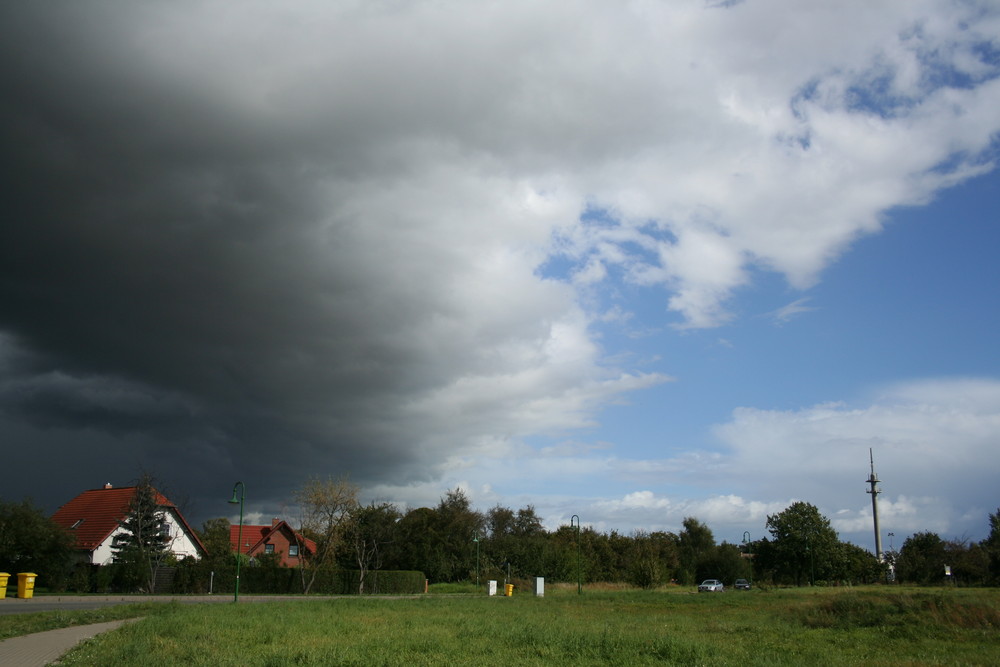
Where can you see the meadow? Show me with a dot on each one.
(861, 626)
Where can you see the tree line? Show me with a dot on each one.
(452, 542)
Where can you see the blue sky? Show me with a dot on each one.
(915, 301)
(681, 259)
(912, 305)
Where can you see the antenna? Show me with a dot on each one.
(873, 481)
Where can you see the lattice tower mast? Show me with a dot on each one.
(874, 490)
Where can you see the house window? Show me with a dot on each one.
(165, 529)
(76, 524)
(293, 551)
(269, 548)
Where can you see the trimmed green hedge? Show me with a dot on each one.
(264, 580)
(283, 580)
(192, 577)
(382, 582)
(269, 579)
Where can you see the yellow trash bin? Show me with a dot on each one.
(3, 584)
(509, 590)
(26, 584)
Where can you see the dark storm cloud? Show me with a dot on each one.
(233, 259)
(160, 267)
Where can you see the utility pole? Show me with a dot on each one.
(874, 490)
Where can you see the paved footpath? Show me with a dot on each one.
(43, 648)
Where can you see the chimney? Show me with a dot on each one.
(275, 521)
(108, 485)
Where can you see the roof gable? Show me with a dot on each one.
(254, 536)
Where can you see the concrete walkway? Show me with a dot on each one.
(43, 648)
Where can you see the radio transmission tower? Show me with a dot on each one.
(874, 490)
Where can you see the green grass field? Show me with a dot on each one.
(873, 626)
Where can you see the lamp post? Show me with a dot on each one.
(579, 575)
(476, 540)
(239, 540)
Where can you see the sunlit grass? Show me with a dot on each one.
(786, 627)
(15, 625)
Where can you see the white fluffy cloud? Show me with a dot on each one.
(934, 443)
(763, 133)
(934, 449)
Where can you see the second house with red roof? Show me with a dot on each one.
(278, 538)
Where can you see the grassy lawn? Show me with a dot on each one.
(16, 625)
(874, 626)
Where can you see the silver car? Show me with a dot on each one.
(711, 586)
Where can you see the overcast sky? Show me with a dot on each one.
(632, 261)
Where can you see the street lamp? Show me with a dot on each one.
(476, 540)
(579, 574)
(239, 539)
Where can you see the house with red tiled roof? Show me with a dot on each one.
(94, 518)
(278, 538)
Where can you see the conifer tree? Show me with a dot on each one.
(142, 545)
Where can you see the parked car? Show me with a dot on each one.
(711, 586)
(742, 585)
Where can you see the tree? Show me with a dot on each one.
(694, 544)
(991, 545)
(457, 523)
(803, 542)
(922, 559)
(517, 538)
(970, 563)
(439, 541)
(857, 565)
(326, 507)
(528, 523)
(143, 545)
(214, 535)
(413, 548)
(499, 522)
(31, 542)
(724, 562)
(370, 529)
(652, 559)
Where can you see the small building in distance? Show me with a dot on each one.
(94, 518)
(278, 538)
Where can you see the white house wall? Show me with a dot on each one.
(103, 555)
(181, 545)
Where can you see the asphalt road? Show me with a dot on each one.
(71, 602)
